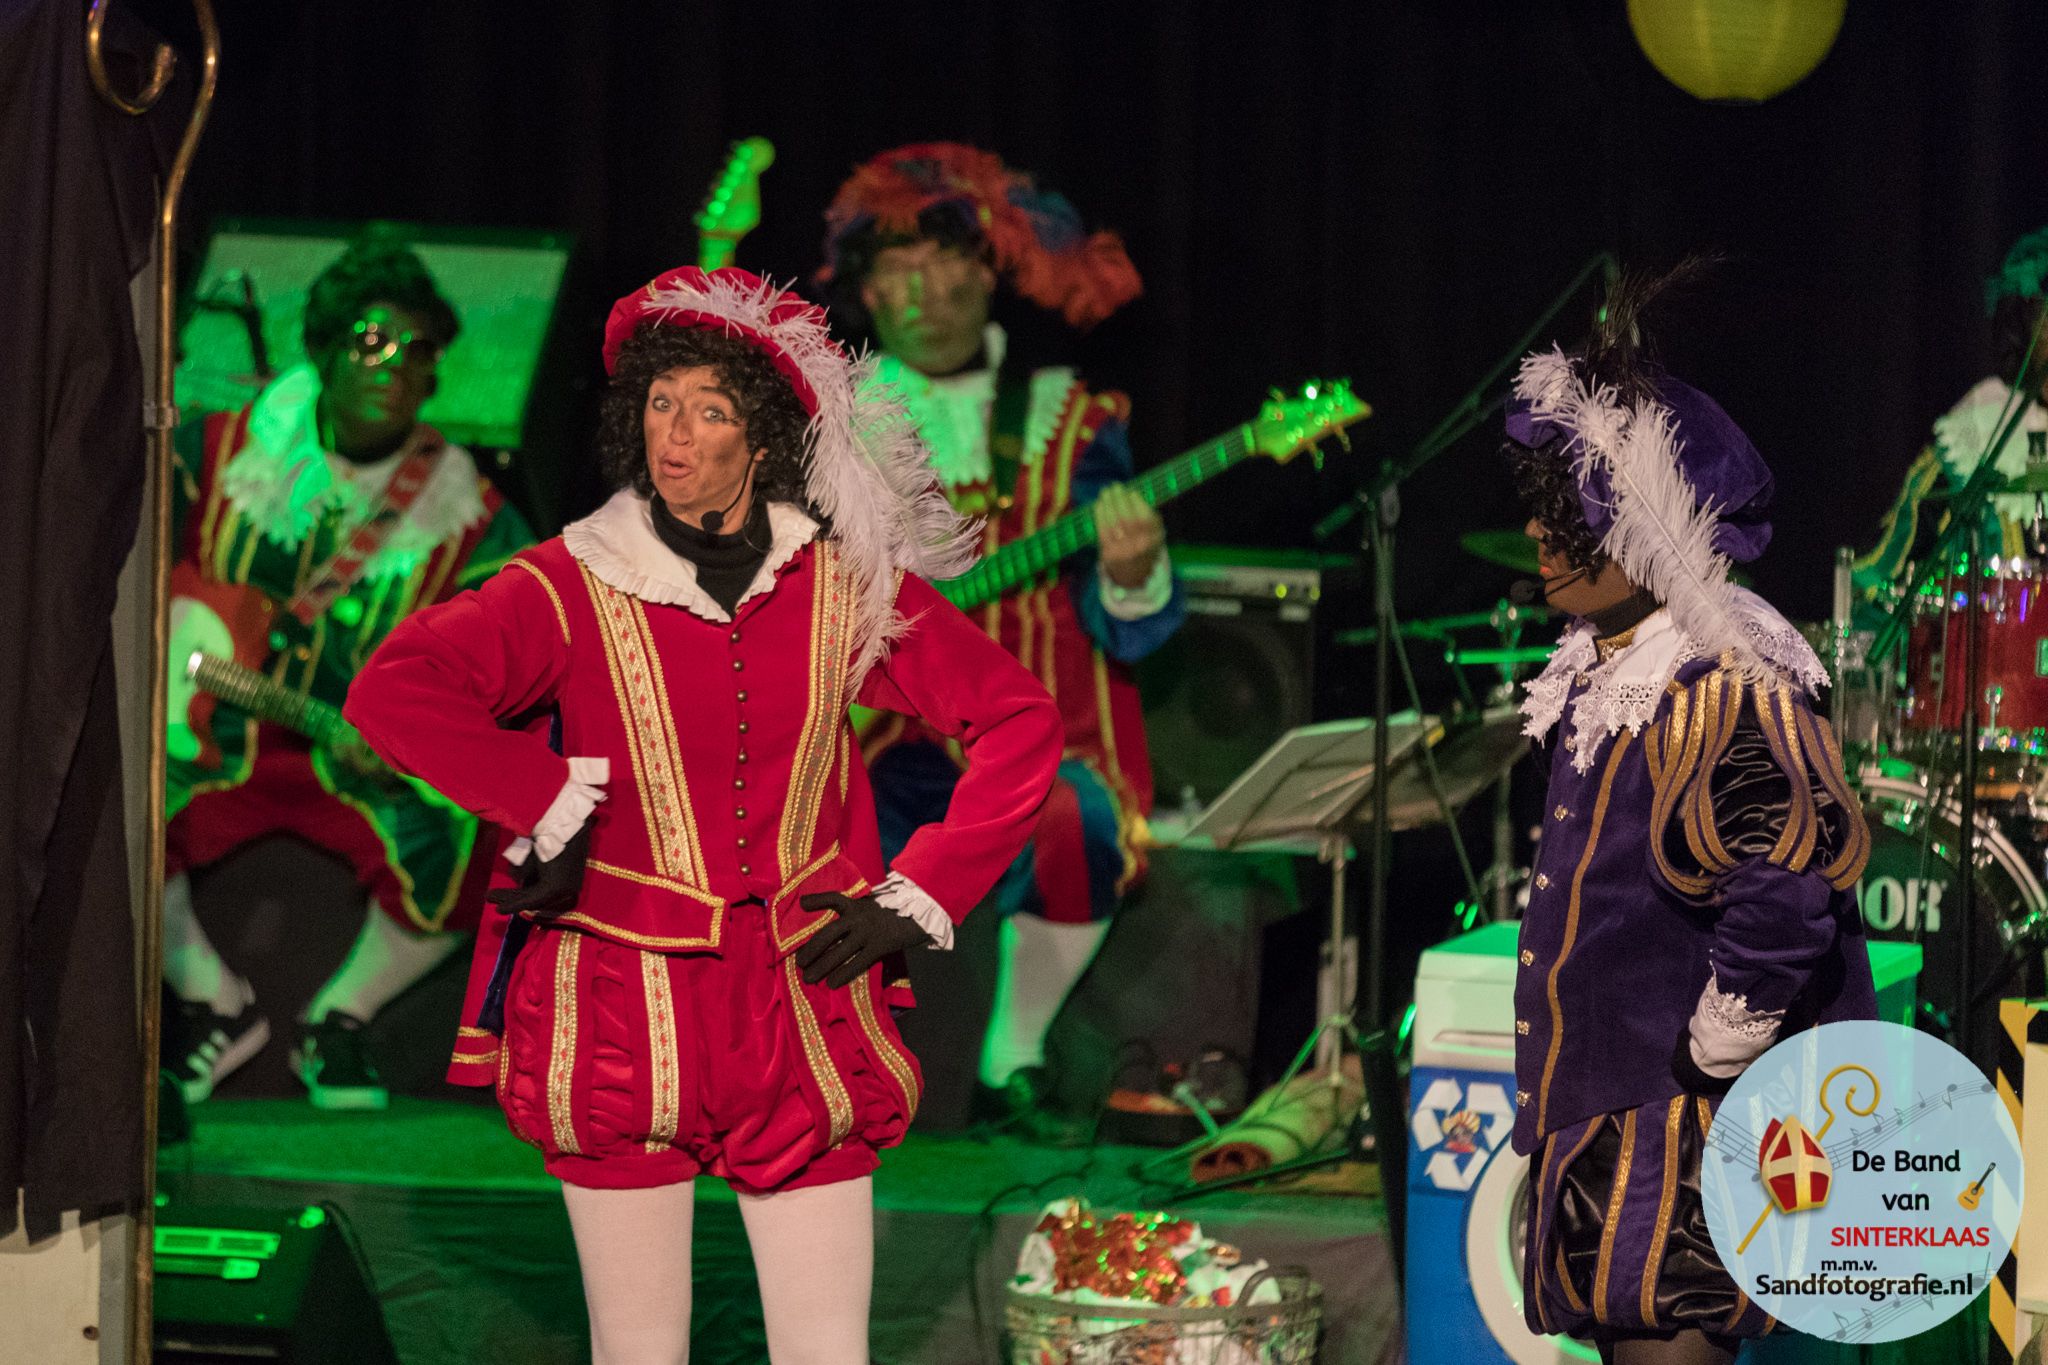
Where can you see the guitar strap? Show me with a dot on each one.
(341, 572)
(1006, 427)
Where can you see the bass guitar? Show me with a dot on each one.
(1283, 429)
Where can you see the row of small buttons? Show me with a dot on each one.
(739, 781)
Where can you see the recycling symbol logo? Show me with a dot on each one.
(1458, 1127)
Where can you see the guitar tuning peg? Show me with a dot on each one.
(1276, 395)
(1344, 440)
(1315, 455)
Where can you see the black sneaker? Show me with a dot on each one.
(201, 1048)
(333, 1059)
(1024, 1107)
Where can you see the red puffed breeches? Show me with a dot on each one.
(630, 1068)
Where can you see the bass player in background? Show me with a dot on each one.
(309, 524)
(918, 243)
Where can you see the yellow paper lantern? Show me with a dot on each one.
(1738, 51)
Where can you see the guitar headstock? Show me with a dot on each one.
(732, 207)
(1287, 426)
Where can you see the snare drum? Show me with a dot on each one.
(2012, 653)
(1910, 892)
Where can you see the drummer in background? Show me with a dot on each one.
(2015, 524)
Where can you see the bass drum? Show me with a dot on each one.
(1910, 892)
(1496, 1229)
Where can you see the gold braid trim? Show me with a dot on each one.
(1612, 1222)
(1796, 841)
(838, 1105)
(832, 610)
(561, 613)
(1571, 926)
(1666, 1206)
(1847, 868)
(1671, 748)
(663, 1061)
(562, 1056)
(898, 1065)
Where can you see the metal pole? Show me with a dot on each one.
(160, 416)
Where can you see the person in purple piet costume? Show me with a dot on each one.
(1693, 899)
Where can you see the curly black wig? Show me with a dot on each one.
(1547, 485)
(376, 268)
(769, 409)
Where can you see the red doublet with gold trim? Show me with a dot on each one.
(732, 780)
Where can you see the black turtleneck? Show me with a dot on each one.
(726, 564)
(1623, 615)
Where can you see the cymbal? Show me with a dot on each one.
(1509, 549)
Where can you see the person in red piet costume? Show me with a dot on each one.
(703, 943)
(921, 243)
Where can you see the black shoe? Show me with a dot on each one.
(333, 1059)
(201, 1048)
(1023, 1107)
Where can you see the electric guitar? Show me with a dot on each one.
(219, 642)
(1283, 429)
(732, 207)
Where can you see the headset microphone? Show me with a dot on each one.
(1527, 592)
(714, 520)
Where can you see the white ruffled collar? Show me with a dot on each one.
(1627, 690)
(283, 481)
(619, 545)
(952, 411)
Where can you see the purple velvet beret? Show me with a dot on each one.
(1717, 459)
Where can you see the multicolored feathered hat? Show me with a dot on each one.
(1034, 235)
(1668, 483)
(865, 470)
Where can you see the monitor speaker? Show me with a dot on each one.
(1237, 676)
(238, 1284)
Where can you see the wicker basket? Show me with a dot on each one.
(1047, 1331)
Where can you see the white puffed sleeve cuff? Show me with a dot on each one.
(567, 812)
(1147, 599)
(907, 898)
(1727, 1035)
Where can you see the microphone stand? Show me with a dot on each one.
(1383, 497)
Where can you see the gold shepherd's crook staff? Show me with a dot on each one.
(159, 416)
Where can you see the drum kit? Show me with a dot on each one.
(1901, 721)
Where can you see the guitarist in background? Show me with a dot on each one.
(919, 242)
(311, 523)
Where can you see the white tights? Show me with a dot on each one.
(814, 1254)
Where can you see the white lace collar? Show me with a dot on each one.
(283, 482)
(952, 411)
(618, 544)
(1628, 689)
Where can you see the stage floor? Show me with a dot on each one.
(470, 1252)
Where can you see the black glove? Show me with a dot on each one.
(547, 889)
(1696, 1081)
(862, 932)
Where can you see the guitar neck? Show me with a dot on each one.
(268, 700)
(1023, 561)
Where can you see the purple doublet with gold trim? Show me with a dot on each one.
(1699, 856)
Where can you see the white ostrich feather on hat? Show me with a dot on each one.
(868, 474)
(1662, 535)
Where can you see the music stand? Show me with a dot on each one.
(1310, 785)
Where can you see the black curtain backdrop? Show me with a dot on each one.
(1386, 191)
